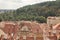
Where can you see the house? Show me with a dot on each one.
(53, 20)
(10, 28)
(56, 28)
(30, 30)
(23, 30)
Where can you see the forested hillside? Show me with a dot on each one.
(37, 12)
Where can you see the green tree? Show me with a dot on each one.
(41, 19)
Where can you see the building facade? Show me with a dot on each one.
(25, 30)
(53, 20)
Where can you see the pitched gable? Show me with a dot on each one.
(57, 26)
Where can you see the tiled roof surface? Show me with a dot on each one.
(10, 27)
(1, 32)
(57, 26)
(13, 27)
(35, 27)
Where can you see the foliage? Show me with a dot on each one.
(37, 12)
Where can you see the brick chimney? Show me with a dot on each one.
(51, 27)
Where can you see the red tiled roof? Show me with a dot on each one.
(9, 28)
(35, 27)
(57, 26)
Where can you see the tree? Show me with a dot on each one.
(41, 19)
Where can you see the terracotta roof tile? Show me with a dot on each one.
(57, 26)
(35, 27)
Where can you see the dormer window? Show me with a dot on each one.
(24, 29)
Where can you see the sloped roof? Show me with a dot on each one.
(2, 32)
(56, 26)
(35, 27)
(10, 27)
(2, 24)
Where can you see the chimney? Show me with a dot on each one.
(51, 27)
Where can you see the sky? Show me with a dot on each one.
(14, 4)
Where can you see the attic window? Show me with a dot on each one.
(24, 28)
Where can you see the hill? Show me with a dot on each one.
(5, 10)
(37, 12)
